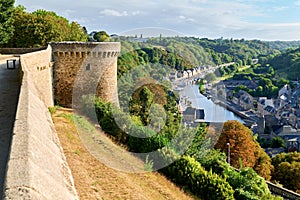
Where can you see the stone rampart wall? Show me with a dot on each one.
(39, 66)
(37, 167)
(20, 50)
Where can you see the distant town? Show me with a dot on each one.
(267, 117)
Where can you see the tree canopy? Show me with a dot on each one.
(242, 146)
(101, 36)
(287, 170)
(40, 27)
(244, 149)
(6, 20)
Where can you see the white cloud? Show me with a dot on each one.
(114, 13)
(185, 19)
(297, 3)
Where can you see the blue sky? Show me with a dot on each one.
(249, 19)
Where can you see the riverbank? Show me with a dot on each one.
(213, 112)
(247, 119)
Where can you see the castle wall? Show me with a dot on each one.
(85, 68)
(39, 65)
(37, 167)
(20, 50)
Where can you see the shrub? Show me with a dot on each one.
(248, 185)
(188, 172)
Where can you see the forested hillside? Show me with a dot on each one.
(282, 45)
(287, 63)
(205, 51)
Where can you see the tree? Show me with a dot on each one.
(141, 104)
(244, 149)
(287, 170)
(201, 87)
(277, 142)
(210, 77)
(248, 185)
(242, 146)
(101, 36)
(40, 27)
(6, 20)
(263, 164)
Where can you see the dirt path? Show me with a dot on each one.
(9, 93)
(94, 180)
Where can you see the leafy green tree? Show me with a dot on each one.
(210, 77)
(248, 185)
(287, 170)
(141, 106)
(6, 20)
(201, 87)
(41, 27)
(101, 36)
(277, 142)
(263, 164)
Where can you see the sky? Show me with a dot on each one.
(249, 19)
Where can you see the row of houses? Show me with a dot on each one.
(182, 74)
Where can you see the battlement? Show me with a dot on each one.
(88, 54)
(86, 50)
(85, 47)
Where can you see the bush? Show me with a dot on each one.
(188, 172)
(147, 144)
(248, 185)
(287, 170)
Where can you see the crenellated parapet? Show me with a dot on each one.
(88, 54)
(85, 68)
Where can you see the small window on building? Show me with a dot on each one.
(88, 67)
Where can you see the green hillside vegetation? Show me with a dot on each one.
(271, 73)
(215, 51)
(202, 171)
(285, 64)
(203, 51)
(267, 79)
(151, 55)
(282, 45)
(205, 164)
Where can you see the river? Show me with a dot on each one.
(213, 112)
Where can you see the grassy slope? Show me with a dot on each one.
(93, 180)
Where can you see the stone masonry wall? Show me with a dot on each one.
(39, 66)
(37, 167)
(20, 50)
(85, 68)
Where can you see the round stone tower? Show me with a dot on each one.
(82, 68)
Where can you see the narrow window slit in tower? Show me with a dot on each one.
(88, 67)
